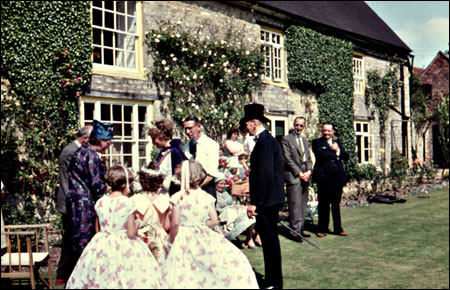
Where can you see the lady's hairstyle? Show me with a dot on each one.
(164, 129)
(94, 141)
(196, 174)
(116, 177)
(231, 132)
(151, 177)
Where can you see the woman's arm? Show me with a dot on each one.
(213, 219)
(175, 222)
(132, 227)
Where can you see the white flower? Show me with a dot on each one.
(221, 122)
(172, 55)
(204, 65)
(179, 110)
(166, 68)
(178, 35)
(221, 80)
(201, 77)
(167, 93)
(188, 79)
(223, 56)
(158, 36)
(209, 52)
(225, 115)
(225, 64)
(157, 40)
(194, 77)
(223, 42)
(174, 59)
(163, 62)
(215, 111)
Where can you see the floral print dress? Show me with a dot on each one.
(200, 257)
(111, 259)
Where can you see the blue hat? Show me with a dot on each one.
(101, 130)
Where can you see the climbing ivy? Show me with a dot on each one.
(323, 64)
(46, 64)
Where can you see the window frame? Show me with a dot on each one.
(139, 136)
(115, 70)
(361, 153)
(358, 75)
(282, 79)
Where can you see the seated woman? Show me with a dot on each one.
(153, 208)
(233, 219)
(234, 149)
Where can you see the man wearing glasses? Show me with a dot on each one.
(297, 170)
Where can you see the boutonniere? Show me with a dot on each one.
(324, 147)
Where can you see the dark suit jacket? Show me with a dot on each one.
(64, 161)
(293, 162)
(267, 174)
(328, 168)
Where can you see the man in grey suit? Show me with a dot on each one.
(297, 170)
(65, 267)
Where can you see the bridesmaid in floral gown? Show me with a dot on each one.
(115, 257)
(196, 256)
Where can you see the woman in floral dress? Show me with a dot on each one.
(115, 257)
(196, 256)
(153, 208)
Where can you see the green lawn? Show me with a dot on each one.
(404, 245)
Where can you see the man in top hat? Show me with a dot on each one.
(86, 185)
(266, 191)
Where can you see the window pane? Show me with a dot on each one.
(109, 20)
(142, 131)
(97, 17)
(109, 5)
(97, 55)
(120, 6)
(105, 112)
(120, 24)
(132, 24)
(120, 58)
(97, 34)
(131, 5)
(117, 113)
(108, 57)
(131, 63)
(128, 130)
(88, 111)
(127, 148)
(142, 112)
(97, 3)
(120, 40)
(127, 113)
(118, 130)
(358, 127)
(107, 38)
(142, 147)
(128, 161)
(366, 128)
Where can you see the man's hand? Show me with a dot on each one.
(334, 147)
(306, 176)
(251, 211)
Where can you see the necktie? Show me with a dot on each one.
(193, 147)
(300, 145)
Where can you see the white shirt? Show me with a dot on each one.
(207, 154)
(249, 143)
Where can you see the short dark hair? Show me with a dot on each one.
(301, 118)
(152, 179)
(231, 132)
(192, 118)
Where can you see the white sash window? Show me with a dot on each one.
(272, 48)
(358, 75)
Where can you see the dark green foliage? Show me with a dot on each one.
(324, 64)
(46, 58)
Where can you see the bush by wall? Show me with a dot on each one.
(46, 64)
(324, 64)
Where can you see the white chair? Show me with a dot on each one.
(311, 206)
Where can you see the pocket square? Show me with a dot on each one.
(324, 148)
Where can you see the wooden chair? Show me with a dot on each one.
(20, 263)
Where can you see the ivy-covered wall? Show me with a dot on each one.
(323, 64)
(46, 62)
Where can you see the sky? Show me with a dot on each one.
(422, 25)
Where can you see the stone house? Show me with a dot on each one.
(435, 79)
(121, 93)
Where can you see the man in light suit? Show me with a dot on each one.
(330, 177)
(297, 171)
(64, 266)
(266, 191)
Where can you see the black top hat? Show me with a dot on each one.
(254, 111)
